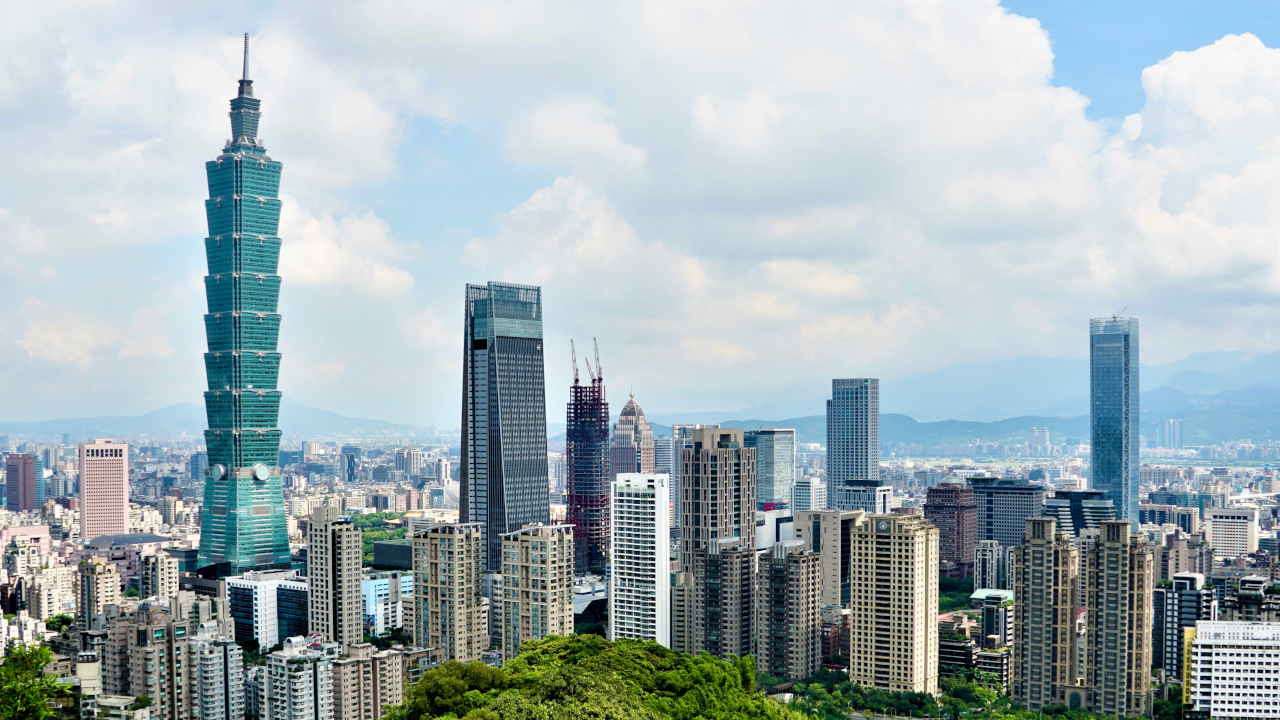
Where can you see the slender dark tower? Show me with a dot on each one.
(587, 468)
(242, 525)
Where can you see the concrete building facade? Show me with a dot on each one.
(448, 605)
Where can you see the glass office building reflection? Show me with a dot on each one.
(1113, 401)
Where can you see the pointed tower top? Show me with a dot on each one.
(246, 85)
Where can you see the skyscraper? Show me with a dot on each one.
(632, 449)
(1175, 609)
(640, 567)
(681, 439)
(719, 488)
(788, 620)
(775, 463)
(1004, 504)
(334, 555)
(104, 489)
(1119, 573)
(1079, 510)
(20, 482)
(243, 519)
(504, 414)
(587, 469)
(1113, 402)
(853, 447)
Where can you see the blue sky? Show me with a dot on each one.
(739, 201)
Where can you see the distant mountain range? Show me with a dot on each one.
(1220, 396)
(189, 419)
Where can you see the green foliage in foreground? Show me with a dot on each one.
(25, 691)
(587, 677)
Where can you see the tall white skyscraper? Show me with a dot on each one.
(640, 573)
(104, 489)
(853, 447)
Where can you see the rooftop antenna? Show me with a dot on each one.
(599, 372)
(573, 353)
(245, 74)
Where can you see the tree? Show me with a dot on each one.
(142, 701)
(58, 623)
(25, 690)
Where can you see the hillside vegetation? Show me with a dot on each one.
(586, 676)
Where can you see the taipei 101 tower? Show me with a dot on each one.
(242, 525)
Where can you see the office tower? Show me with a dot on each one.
(217, 675)
(299, 680)
(1231, 672)
(198, 465)
(1038, 441)
(640, 567)
(775, 463)
(1182, 553)
(409, 461)
(504, 414)
(268, 606)
(587, 468)
(853, 447)
(1186, 518)
(1233, 532)
(334, 556)
(632, 448)
(1176, 608)
(663, 456)
(991, 566)
(99, 587)
(1119, 574)
(893, 596)
(788, 619)
(810, 493)
(349, 464)
(448, 609)
(367, 682)
(719, 487)
(681, 439)
(1113, 402)
(158, 576)
(242, 522)
(537, 585)
(1169, 434)
(951, 507)
(1004, 504)
(1079, 510)
(20, 482)
(1045, 575)
(828, 533)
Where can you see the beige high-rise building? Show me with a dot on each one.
(718, 492)
(158, 576)
(788, 618)
(99, 587)
(1045, 577)
(825, 532)
(104, 489)
(1119, 574)
(893, 599)
(537, 584)
(149, 653)
(448, 604)
(366, 681)
(334, 557)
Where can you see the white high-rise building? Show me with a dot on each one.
(640, 573)
(810, 493)
(299, 680)
(334, 558)
(991, 564)
(254, 603)
(853, 446)
(1232, 531)
(104, 489)
(158, 575)
(1232, 668)
(217, 675)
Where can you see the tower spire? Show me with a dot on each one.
(246, 85)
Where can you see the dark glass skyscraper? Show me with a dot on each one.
(243, 521)
(1113, 402)
(587, 470)
(504, 414)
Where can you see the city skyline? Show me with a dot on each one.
(843, 255)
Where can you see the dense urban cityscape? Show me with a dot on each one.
(252, 574)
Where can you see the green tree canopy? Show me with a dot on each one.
(25, 690)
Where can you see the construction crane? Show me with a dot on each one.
(599, 373)
(573, 354)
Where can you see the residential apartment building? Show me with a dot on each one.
(149, 653)
(1119, 576)
(537, 584)
(334, 559)
(99, 587)
(1178, 607)
(158, 576)
(448, 605)
(298, 683)
(1045, 579)
(640, 570)
(366, 682)
(992, 566)
(894, 603)
(828, 533)
(788, 618)
(217, 675)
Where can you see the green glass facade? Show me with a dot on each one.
(242, 524)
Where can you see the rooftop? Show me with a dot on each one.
(110, 541)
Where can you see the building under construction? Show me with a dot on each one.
(587, 467)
